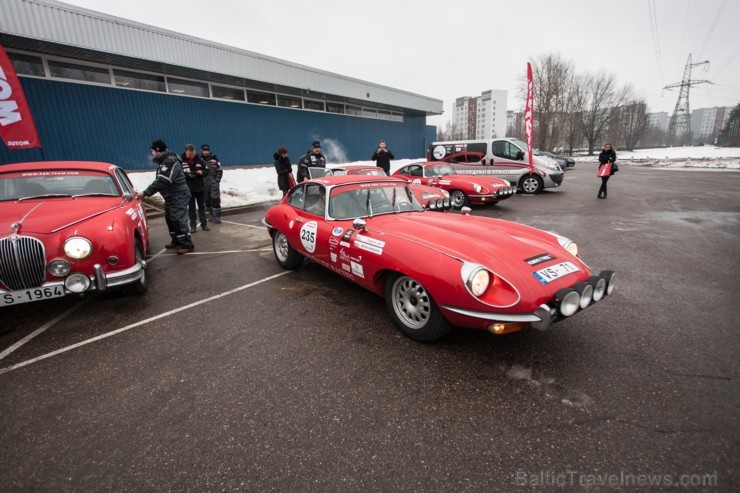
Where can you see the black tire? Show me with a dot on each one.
(413, 310)
(285, 255)
(142, 285)
(459, 199)
(531, 184)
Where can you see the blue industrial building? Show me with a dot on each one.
(102, 88)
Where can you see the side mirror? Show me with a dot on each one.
(465, 211)
(520, 156)
(359, 224)
(128, 197)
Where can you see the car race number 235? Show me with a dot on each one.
(308, 236)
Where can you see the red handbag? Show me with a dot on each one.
(605, 170)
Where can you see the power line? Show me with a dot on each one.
(656, 39)
(711, 29)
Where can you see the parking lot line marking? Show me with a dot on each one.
(43, 328)
(137, 324)
(244, 224)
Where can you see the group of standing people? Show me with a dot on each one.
(315, 159)
(186, 182)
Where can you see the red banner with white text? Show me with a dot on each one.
(529, 115)
(16, 124)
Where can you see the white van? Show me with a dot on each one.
(503, 158)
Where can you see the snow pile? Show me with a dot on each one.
(700, 157)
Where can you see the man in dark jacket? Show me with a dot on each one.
(195, 172)
(170, 183)
(383, 156)
(212, 182)
(313, 159)
(283, 169)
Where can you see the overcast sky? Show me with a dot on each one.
(445, 50)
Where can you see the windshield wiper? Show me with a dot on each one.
(369, 205)
(44, 196)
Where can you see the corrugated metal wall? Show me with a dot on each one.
(87, 122)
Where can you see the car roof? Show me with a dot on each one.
(51, 165)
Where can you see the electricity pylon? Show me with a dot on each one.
(679, 128)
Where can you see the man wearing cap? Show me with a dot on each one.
(212, 182)
(170, 183)
(313, 159)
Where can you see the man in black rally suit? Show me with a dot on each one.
(212, 182)
(383, 156)
(195, 171)
(312, 159)
(170, 183)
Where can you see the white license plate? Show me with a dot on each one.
(549, 274)
(35, 294)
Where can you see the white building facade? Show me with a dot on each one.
(481, 117)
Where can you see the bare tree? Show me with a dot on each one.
(598, 95)
(446, 133)
(553, 78)
(633, 122)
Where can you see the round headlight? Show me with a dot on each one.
(58, 268)
(477, 188)
(78, 247)
(446, 203)
(479, 281)
(432, 204)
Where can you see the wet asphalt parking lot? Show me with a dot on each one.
(233, 375)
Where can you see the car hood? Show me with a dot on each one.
(50, 215)
(501, 246)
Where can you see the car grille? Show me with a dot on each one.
(22, 262)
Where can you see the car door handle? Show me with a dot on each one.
(298, 220)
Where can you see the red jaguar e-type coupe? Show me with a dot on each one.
(434, 270)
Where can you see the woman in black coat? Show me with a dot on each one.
(607, 155)
(284, 169)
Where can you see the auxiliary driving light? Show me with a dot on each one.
(567, 301)
(77, 283)
(599, 285)
(58, 268)
(586, 291)
(609, 276)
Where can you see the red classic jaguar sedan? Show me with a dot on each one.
(463, 189)
(69, 227)
(434, 270)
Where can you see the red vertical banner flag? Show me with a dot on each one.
(16, 124)
(529, 115)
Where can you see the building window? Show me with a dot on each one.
(187, 87)
(313, 105)
(64, 70)
(289, 102)
(334, 108)
(265, 98)
(384, 115)
(396, 117)
(136, 80)
(353, 110)
(369, 113)
(27, 64)
(227, 93)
